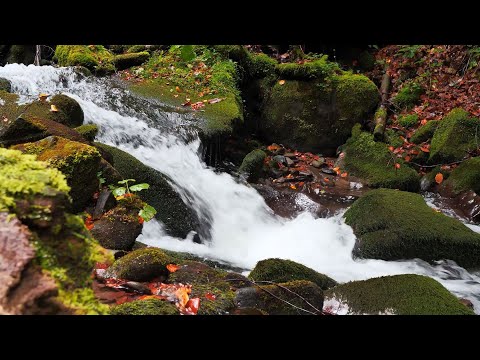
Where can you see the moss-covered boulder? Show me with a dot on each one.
(20, 54)
(260, 65)
(455, 136)
(125, 61)
(394, 225)
(252, 164)
(77, 161)
(313, 107)
(70, 107)
(261, 298)
(279, 271)
(399, 295)
(141, 265)
(88, 131)
(465, 177)
(178, 219)
(145, 307)
(425, 132)
(5, 85)
(94, 57)
(408, 120)
(119, 227)
(408, 95)
(373, 162)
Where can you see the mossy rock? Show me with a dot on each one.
(372, 161)
(465, 177)
(408, 95)
(21, 54)
(392, 138)
(78, 162)
(255, 297)
(455, 136)
(88, 131)
(280, 270)
(178, 219)
(425, 132)
(408, 120)
(396, 225)
(145, 307)
(252, 164)
(126, 61)
(261, 65)
(94, 57)
(5, 85)
(141, 265)
(70, 107)
(399, 295)
(318, 69)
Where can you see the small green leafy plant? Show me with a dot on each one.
(148, 212)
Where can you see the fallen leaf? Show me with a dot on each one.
(407, 158)
(197, 105)
(391, 148)
(423, 122)
(140, 220)
(172, 267)
(53, 108)
(192, 306)
(425, 149)
(273, 147)
(176, 95)
(177, 89)
(293, 187)
(397, 166)
(281, 82)
(345, 174)
(439, 178)
(43, 96)
(214, 101)
(210, 296)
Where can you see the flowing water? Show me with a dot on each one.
(243, 228)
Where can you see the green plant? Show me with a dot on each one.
(408, 51)
(101, 180)
(148, 212)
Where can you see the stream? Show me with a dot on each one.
(244, 229)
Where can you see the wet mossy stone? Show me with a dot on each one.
(125, 61)
(396, 225)
(145, 307)
(88, 131)
(260, 65)
(94, 57)
(425, 132)
(5, 85)
(141, 265)
(455, 137)
(399, 295)
(77, 161)
(465, 177)
(255, 297)
(373, 162)
(178, 219)
(21, 54)
(252, 164)
(280, 270)
(70, 107)
(408, 120)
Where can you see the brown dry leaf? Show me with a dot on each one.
(177, 89)
(43, 96)
(53, 108)
(172, 267)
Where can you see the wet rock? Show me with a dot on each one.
(5, 85)
(467, 303)
(280, 159)
(106, 201)
(252, 164)
(137, 287)
(318, 163)
(289, 161)
(329, 171)
(290, 155)
(125, 61)
(70, 108)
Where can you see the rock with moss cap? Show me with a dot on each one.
(5, 85)
(79, 162)
(262, 298)
(399, 295)
(70, 107)
(395, 225)
(465, 177)
(145, 307)
(455, 137)
(280, 270)
(374, 163)
(179, 220)
(252, 164)
(94, 57)
(141, 265)
(260, 65)
(88, 131)
(125, 61)
(425, 132)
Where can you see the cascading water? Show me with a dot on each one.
(243, 229)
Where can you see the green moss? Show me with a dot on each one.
(178, 219)
(279, 270)
(141, 265)
(252, 164)
(465, 177)
(356, 97)
(408, 120)
(88, 131)
(70, 107)
(392, 138)
(261, 65)
(22, 177)
(69, 259)
(125, 61)
(5, 85)
(400, 294)
(136, 49)
(455, 136)
(408, 95)
(145, 307)
(373, 162)
(93, 57)
(425, 132)
(8, 106)
(318, 69)
(394, 225)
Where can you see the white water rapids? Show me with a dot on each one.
(244, 229)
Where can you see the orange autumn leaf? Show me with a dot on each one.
(439, 178)
(391, 148)
(397, 166)
(326, 179)
(140, 220)
(425, 149)
(273, 147)
(407, 158)
(345, 174)
(182, 295)
(301, 183)
(281, 82)
(177, 89)
(293, 187)
(210, 296)
(336, 169)
(172, 267)
(192, 306)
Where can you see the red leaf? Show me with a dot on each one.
(192, 306)
(425, 149)
(140, 220)
(391, 148)
(210, 296)
(397, 166)
(172, 267)
(439, 178)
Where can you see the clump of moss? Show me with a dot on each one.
(125, 61)
(465, 177)
(70, 107)
(261, 65)
(425, 132)
(141, 265)
(22, 177)
(408, 95)
(400, 294)
(252, 164)
(279, 270)
(145, 307)
(373, 162)
(394, 225)
(455, 136)
(408, 120)
(393, 138)
(94, 57)
(318, 69)
(88, 131)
